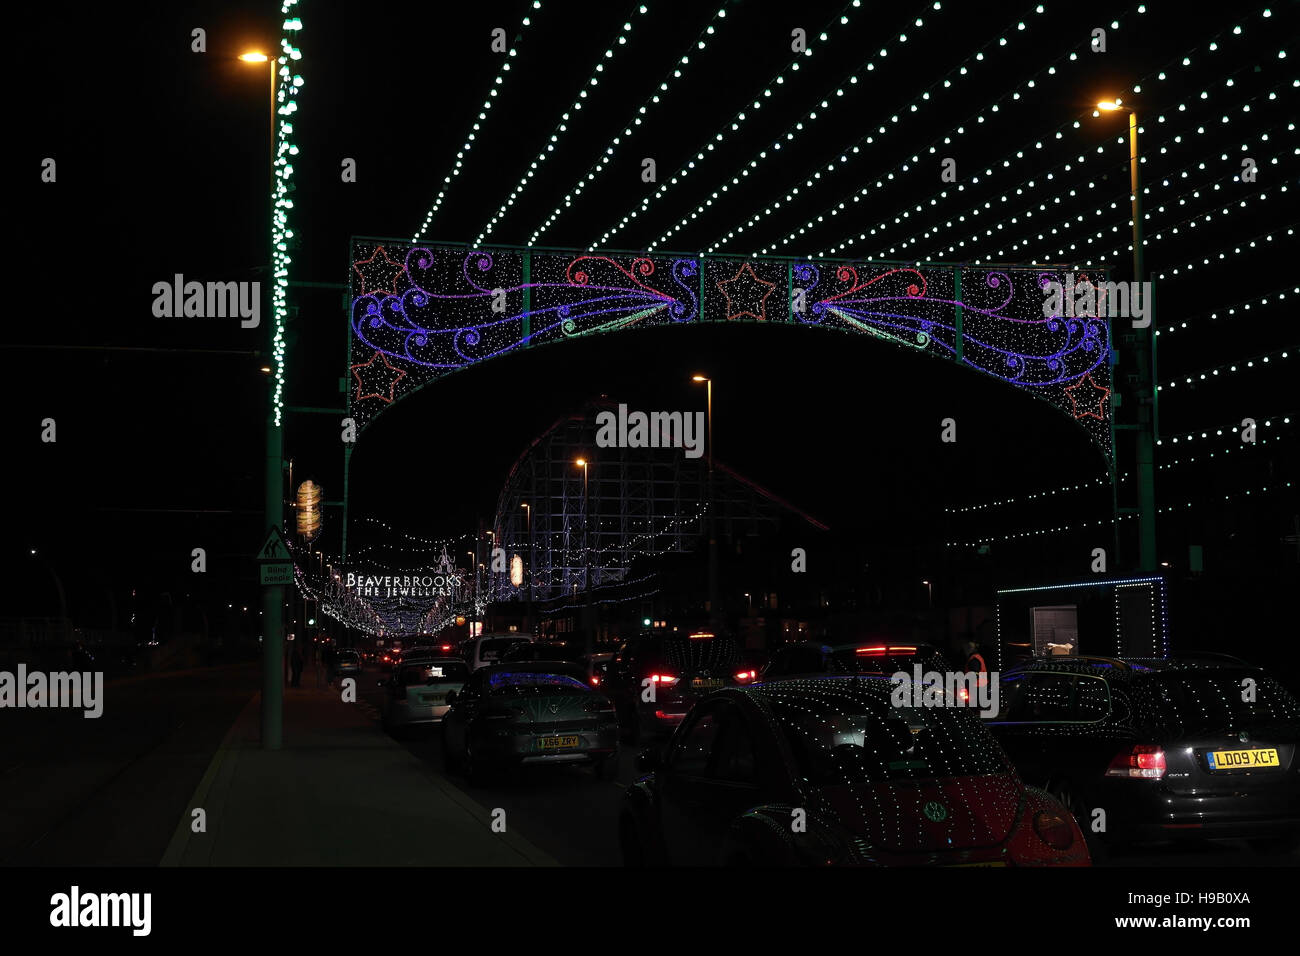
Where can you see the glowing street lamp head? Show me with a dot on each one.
(253, 57)
(1110, 105)
(699, 378)
(581, 463)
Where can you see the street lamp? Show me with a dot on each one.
(714, 616)
(929, 592)
(1145, 359)
(272, 595)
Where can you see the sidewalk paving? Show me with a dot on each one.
(340, 793)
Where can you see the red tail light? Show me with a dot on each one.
(1142, 761)
(666, 679)
(871, 651)
(595, 680)
(744, 677)
(446, 647)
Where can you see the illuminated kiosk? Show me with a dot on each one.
(1114, 617)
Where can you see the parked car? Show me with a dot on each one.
(826, 771)
(655, 678)
(344, 662)
(1167, 749)
(524, 713)
(416, 694)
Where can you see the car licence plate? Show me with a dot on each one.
(1242, 759)
(433, 698)
(557, 743)
(707, 682)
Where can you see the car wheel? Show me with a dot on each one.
(1097, 849)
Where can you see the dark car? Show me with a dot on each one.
(345, 662)
(828, 771)
(654, 679)
(1165, 749)
(511, 715)
(856, 657)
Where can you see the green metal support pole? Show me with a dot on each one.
(1146, 386)
(528, 298)
(956, 294)
(273, 595)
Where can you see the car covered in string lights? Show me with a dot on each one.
(527, 713)
(827, 771)
(417, 692)
(1168, 750)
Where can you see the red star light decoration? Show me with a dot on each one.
(392, 383)
(1087, 404)
(381, 273)
(746, 288)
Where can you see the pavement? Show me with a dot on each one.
(336, 794)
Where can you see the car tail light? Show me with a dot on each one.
(1054, 828)
(595, 680)
(744, 677)
(1142, 761)
(446, 647)
(668, 680)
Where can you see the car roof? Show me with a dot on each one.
(541, 667)
(1130, 668)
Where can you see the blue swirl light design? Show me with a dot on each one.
(441, 318)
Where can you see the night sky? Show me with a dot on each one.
(162, 168)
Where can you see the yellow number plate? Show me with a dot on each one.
(1242, 759)
(557, 743)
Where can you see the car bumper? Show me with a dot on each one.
(408, 715)
(1160, 814)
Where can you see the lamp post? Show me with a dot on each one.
(528, 534)
(1144, 356)
(714, 610)
(272, 595)
(586, 549)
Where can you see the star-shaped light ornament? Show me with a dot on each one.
(377, 379)
(747, 294)
(1090, 402)
(378, 273)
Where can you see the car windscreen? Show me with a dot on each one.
(1215, 701)
(531, 684)
(493, 648)
(438, 672)
(840, 737)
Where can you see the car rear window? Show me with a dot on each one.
(491, 650)
(439, 672)
(344, 656)
(690, 655)
(1213, 701)
(531, 683)
(841, 736)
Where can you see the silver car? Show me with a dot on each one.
(416, 693)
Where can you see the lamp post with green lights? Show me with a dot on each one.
(1144, 359)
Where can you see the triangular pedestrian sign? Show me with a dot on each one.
(275, 548)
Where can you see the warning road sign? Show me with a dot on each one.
(275, 549)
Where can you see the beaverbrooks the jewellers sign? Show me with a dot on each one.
(439, 584)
